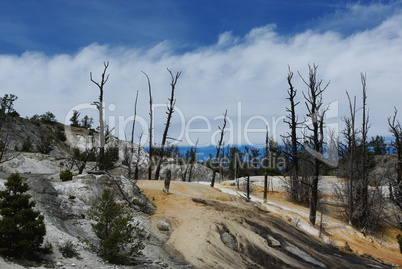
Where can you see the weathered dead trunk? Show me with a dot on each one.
(218, 148)
(99, 105)
(167, 181)
(151, 117)
(170, 110)
(351, 136)
(137, 163)
(291, 119)
(130, 162)
(316, 117)
(364, 161)
(265, 163)
(396, 185)
(248, 174)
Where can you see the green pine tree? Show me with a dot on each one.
(45, 145)
(21, 228)
(27, 145)
(115, 229)
(74, 119)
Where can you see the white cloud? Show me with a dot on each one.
(250, 69)
(357, 17)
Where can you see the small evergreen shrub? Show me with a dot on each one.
(14, 114)
(48, 117)
(66, 175)
(45, 145)
(27, 145)
(111, 157)
(118, 235)
(60, 133)
(35, 119)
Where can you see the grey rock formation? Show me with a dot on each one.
(65, 205)
(272, 242)
(229, 240)
(163, 226)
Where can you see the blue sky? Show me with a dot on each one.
(60, 26)
(234, 55)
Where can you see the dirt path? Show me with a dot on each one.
(199, 217)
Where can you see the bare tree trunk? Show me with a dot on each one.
(395, 187)
(351, 133)
(184, 175)
(222, 156)
(361, 206)
(99, 105)
(266, 167)
(235, 174)
(151, 117)
(167, 181)
(136, 171)
(313, 104)
(170, 110)
(84, 161)
(365, 176)
(218, 148)
(293, 124)
(248, 174)
(132, 137)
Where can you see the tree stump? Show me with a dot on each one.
(167, 181)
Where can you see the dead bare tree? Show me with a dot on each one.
(362, 188)
(295, 186)
(350, 135)
(132, 138)
(313, 101)
(170, 110)
(247, 150)
(266, 164)
(137, 163)
(355, 167)
(150, 127)
(396, 185)
(351, 165)
(80, 159)
(99, 106)
(221, 163)
(168, 178)
(218, 147)
(361, 198)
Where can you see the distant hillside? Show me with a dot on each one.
(17, 130)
